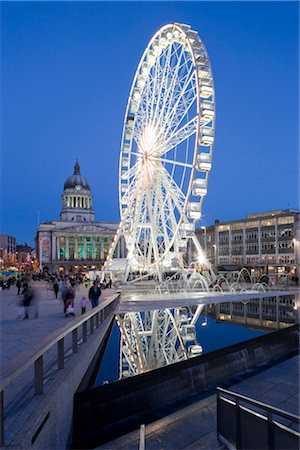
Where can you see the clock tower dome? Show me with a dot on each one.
(77, 203)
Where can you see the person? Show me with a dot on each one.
(56, 288)
(104, 284)
(19, 285)
(94, 294)
(109, 283)
(27, 297)
(64, 289)
(70, 308)
(83, 304)
(70, 301)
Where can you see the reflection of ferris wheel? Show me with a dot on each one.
(157, 338)
(166, 151)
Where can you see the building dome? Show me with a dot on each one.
(76, 180)
(77, 202)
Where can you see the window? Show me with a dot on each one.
(286, 244)
(252, 248)
(267, 246)
(286, 232)
(237, 236)
(268, 233)
(286, 220)
(253, 234)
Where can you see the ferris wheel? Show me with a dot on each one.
(157, 338)
(166, 151)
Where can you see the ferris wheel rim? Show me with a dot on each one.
(184, 30)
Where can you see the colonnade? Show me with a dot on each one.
(78, 201)
(98, 249)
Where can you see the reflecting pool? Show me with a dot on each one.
(147, 340)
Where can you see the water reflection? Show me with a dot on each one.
(146, 340)
(153, 339)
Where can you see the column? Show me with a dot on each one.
(57, 248)
(67, 247)
(76, 248)
(93, 249)
(53, 247)
(84, 248)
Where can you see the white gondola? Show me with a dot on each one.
(188, 332)
(194, 211)
(203, 161)
(199, 187)
(208, 114)
(206, 91)
(125, 161)
(195, 350)
(187, 229)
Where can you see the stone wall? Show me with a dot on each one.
(99, 413)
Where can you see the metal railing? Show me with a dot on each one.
(35, 356)
(244, 423)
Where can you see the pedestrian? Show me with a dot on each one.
(19, 285)
(94, 294)
(64, 289)
(56, 288)
(109, 283)
(83, 304)
(27, 297)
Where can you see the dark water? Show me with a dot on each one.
(215, 329)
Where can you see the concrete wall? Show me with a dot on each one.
(99, 412)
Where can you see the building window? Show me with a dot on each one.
(252, 235)
(269, 233)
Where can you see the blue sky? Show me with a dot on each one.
(67, 72)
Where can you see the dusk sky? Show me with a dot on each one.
(67, 69)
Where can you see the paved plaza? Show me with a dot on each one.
(19, 335)
(194, 427)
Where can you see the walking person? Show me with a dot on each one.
(94, 294)
(83, 304)
(27, 296)
(64, 289)
(19, 285)
(56, 288)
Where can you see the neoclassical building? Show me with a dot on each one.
(75, 242)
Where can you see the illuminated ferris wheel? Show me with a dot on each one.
(157, 338)
(166, 151)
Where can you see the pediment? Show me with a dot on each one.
(85, 228)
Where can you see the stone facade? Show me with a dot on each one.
(76, 242)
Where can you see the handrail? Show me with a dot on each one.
(278, 411)
(20, 363)
(225, 435)
(35, 354)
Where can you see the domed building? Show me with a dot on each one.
(77, 199)
(75, 242)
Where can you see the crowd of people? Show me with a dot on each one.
(64, 288)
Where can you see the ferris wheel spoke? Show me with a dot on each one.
(177, 100)
(180, 136)
(174, 79)
(175, 163)
(182, 113)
